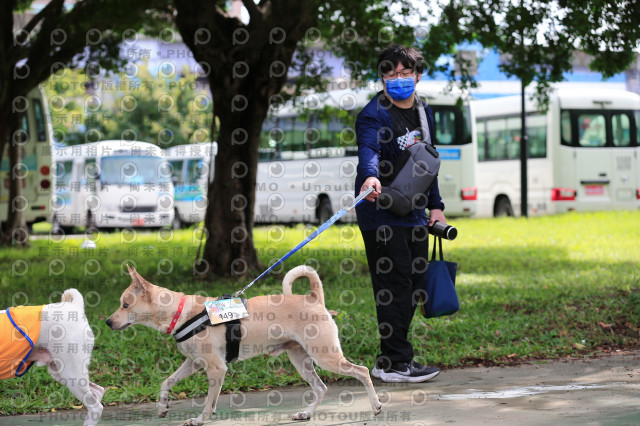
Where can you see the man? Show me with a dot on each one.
(396, 246)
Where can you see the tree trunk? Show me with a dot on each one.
(246, 65)
(14, 230)
(229, 249)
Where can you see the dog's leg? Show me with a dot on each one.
(216, 371)
(337, 363)
(304, 364)
(97, 390)
(187, 368)
(73, 377)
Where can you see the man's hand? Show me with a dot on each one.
(377, 188)
(436, 214)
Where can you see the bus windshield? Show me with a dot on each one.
(453, 125)
(133, 170)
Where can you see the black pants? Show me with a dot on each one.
(397, 258)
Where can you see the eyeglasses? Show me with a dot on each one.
(407, 72)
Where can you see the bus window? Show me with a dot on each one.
(328, 132)
(64, 172)
(445, 121)
(482, 140)
(270, 138)
(177, 171)
(195, 171)
(496, 139)
(514, 125)
(24, 123)
(592, 130)
(621, 127)
(40, 126)
(537, 132)
(566, 137)
(90, 174)
(293, 146)
(452, 125)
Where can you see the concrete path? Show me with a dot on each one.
(603, 391)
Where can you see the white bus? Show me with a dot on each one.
(308, 156)
(192, 171)
(112, 184)
(583, 153)
(35, 138)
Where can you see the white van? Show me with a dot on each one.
(192, 171)
(36, 136)
(583, 153)
(112, 184)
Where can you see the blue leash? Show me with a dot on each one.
(315, 233)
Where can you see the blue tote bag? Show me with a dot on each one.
(440, 286)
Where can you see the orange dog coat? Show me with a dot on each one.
(19, 332)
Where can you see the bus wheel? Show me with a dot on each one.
(177, 222)
(503, 207)
(324, 210)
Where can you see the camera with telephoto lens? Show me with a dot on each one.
(442, 230)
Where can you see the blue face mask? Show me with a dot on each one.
(400, 88)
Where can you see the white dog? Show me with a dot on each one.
(57, 335)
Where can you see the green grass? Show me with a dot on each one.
(548, 287)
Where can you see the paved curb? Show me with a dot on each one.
(599, 391)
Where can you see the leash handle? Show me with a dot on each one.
(359, 198)
(315, 233)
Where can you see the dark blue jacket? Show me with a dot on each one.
(377, 142)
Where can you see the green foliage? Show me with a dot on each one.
(66, 93)
(172, 108)
(606, 30)
(538, 39)
(358, 32)
(546, 287)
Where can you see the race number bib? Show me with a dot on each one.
(225, 310)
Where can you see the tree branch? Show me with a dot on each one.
(48, 9)
(255, 14)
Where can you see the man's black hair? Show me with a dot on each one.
(395, 54)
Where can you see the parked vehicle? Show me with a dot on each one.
(192, 171)
(583, 153)
(35, 139)
(112, 184)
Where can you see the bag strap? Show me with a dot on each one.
(424, 123)
(433, 253)
(422, 115)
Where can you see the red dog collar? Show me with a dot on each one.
(176, 317)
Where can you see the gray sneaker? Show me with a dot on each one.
(402, 372)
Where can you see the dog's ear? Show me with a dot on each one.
(139, 282)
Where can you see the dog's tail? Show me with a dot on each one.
(314, 281)
(73, 296)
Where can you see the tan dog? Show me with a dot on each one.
(297, 324)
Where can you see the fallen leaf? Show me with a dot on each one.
(603, 325)
(579, 346)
